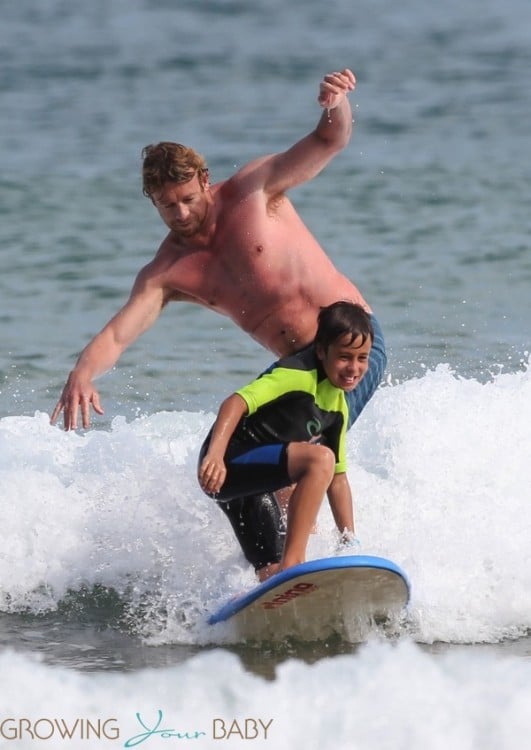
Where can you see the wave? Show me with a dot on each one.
(447, 703)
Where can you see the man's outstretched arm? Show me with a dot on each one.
(306, 158)
(103, 351)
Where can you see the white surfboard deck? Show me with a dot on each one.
(346, 596)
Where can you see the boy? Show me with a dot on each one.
(288, 427)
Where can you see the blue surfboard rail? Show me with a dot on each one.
(312, 566)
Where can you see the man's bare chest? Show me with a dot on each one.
(221, 277)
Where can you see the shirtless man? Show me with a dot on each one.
(237, 247)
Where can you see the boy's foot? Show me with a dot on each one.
(348, 544)
(269, 570)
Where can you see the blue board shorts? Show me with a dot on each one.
(364, 391)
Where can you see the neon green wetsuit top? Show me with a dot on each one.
(293, 401)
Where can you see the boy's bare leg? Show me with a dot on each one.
(312, 467)
(283, 497)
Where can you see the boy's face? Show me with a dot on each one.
(345, 362)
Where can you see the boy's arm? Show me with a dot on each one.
(212, 471)
(340, 499)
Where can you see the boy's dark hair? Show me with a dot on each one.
(342, 318)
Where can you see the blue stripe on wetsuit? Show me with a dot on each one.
(264, 454)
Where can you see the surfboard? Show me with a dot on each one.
(347, 596)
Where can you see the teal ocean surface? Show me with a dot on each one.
(111, 557)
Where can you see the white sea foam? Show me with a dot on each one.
(385, 697)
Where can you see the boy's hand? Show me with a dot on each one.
(212, 473)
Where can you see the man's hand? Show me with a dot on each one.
(77, 394)
(334, 87)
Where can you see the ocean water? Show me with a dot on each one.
(111, 556)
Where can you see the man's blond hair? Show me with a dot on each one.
(169, 162)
